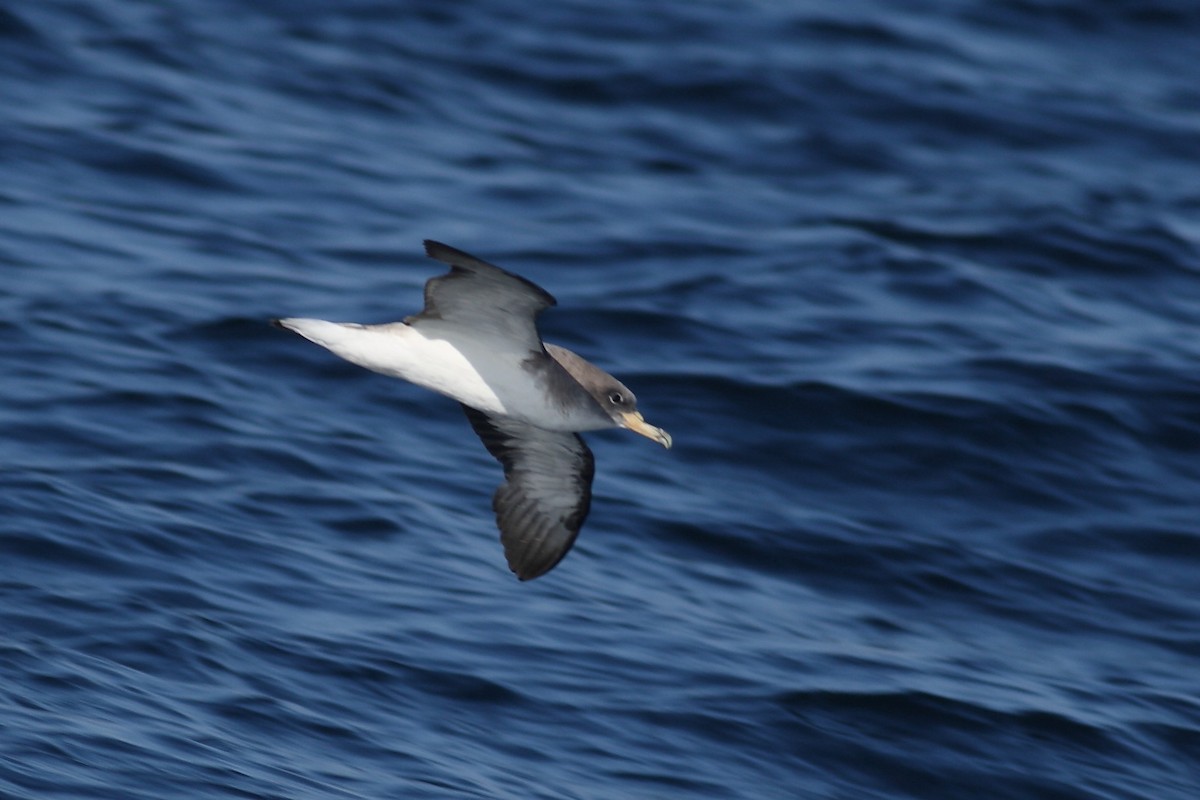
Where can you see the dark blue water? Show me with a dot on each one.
(915, 287)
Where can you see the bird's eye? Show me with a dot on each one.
(616, 398)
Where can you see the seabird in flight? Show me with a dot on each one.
(477, 342)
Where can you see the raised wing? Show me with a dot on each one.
(482, 297)
(546, 493)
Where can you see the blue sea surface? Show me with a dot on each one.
(914, 286)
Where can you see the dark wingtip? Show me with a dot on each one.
(462, 260)
(526, 575)
(441, 251)
(277, 323)
(529, 565)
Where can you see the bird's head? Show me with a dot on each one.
(621, 405)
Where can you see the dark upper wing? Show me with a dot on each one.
(546, 493)
(482, 297)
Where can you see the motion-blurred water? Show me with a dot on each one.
(915, 287)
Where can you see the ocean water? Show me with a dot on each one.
(914, 286)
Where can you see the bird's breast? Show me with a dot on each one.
(479, 372)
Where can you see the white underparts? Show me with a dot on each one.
(478, 371)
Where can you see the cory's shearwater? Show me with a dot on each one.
(477, 342)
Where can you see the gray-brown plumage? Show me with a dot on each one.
(546, 494)
(476, 340)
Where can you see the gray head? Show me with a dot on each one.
(613, 397)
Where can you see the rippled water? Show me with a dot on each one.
(915, 287)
